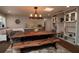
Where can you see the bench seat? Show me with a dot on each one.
(35, 43)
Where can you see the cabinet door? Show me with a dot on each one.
(3, 38)
(73, 16)
(67, 17)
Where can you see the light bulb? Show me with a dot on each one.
(40, 15)
(31, 15)
(35, 15)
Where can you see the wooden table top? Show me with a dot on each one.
(26, 34)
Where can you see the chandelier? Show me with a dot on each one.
(35, 15)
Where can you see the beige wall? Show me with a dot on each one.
(11, 21)
(60, 25)
(25, 22)
(48, 25)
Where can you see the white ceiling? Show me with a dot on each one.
(27, 10)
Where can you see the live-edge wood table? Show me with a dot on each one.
(33, 43)
(29, 34)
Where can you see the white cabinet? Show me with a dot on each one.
(70, 17)
(70, 27)
(3, 37)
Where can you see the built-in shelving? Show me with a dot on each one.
(70, 26)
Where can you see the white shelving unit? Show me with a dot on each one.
(68, 30)
(70, 26)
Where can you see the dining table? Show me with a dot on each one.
(38, 42)
(31, 34)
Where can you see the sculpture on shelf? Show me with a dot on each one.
(36, 30)
(39, 26)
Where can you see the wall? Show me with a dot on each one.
(25, 22)
(34, 23)
(11, 21)
(48, 25)
(60, 25)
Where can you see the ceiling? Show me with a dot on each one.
(27, 10)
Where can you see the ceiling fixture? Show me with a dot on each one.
(48, 9)
(36, 15)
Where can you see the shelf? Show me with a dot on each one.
(69, 36)
(71, 26)
(70, 21)
(60, 38)
(71, 32)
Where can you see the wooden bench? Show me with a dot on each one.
(35, 43)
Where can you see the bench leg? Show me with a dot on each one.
(54, 45)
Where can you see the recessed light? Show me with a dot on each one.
(9, 11)
(48, 9)
(67, 6)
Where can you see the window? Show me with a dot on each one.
(2, 22)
